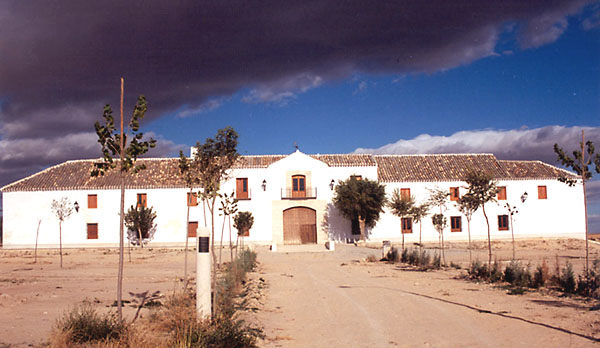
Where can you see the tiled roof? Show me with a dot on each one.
(347, 160)
(402, 168)
(164, 172)
(533, 169)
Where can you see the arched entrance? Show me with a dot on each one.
(299, 226)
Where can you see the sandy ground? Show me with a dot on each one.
(319, 299)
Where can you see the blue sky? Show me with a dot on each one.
(508, 77)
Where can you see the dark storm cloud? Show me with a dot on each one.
(61, 60)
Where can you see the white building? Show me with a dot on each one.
(290, 197)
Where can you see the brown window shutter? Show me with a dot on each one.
(501, 192)
(241, 188)
(192, 229)
(542, 192)
(454, 194)
(92, 231)
(92, 201)
(405, 193)
(192, 199)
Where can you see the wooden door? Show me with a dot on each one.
(241, 188)
(298, 186)
(299, 226)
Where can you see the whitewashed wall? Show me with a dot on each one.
(560, 215)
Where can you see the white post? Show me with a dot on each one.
(331, 245)
(203, 263)
(274, 247)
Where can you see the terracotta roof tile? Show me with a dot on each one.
(347, 160)
(533, 169)
(452, 167)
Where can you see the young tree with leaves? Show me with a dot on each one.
(140, 224)
(402, 207)
(439, 198)
(215, 159)
(243, 222)
(360, 201)
(188, 171)
(122, 153)
(511, 212)
(418, 213)
(228, 208)
(580, 164)
(467, 205)
(440, 222)
(482, 189)
(63, 209)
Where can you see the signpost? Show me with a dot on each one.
(203, 290)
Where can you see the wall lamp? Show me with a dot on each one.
(76, 205)
(331, 184)
(524, 197)
(264, 185)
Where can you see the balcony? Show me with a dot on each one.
(309, 193)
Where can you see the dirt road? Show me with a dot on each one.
(331, 300)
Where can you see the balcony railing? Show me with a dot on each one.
(243, 196)
(309, 193)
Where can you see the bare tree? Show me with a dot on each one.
(439, 222)
(512, 211)
(579, 163)
(419, 212)
(63, 209)
(439, 198)
(115, 145)
(189, 173)
(37, 234)
(228, 208)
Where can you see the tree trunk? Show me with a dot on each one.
(214, 256)
(587, 257)
(140, 237)
(443, 254)
(489, 241)
(60, 241)
(402, 233)
(221, 246)
(121, 217)
(230, 241)
(37, 234)
(420, 234)
(470, 249)
(363, 230)
(187, 236)
(512, 232)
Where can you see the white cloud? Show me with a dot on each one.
(282, 91)
(362, 86)
(207, 106)
(521, 143)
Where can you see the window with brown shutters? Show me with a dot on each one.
(141, 200)
(92, 231)
(542, 192)
(406, 225)
(192, 199)
(502, 222)
(405, 193)
(192, 229)
(356, 177)
(455, 224)
(501, 193)
(454, 194)
(92, 201)
(241, 188)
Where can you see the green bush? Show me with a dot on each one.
(392, 255)
(541, 275)
(589, 284)
(437, 261)
(404, 256)
(567, 279)
(479, 271)
(518, 275)
(84, 324)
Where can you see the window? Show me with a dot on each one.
(92, 231)
(241, 188)
(406, 225)
(455, 224)
(192, 229)
(141, 200)
(502, 222)
(92, 201)
(298, 186)
(405, 193)
(356, 177)
(542, 193)
(501, 193)
(454, 194)
(192, 199)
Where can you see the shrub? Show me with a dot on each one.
(437, 261)
(413, 257)
(478, 270)
(84, 324)
(589, 284)
(455, 265)
(424, 258)
(371, 258)
(541, 275)
(567, 279)
(392, 255)
(518, 275)
(404, 256)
